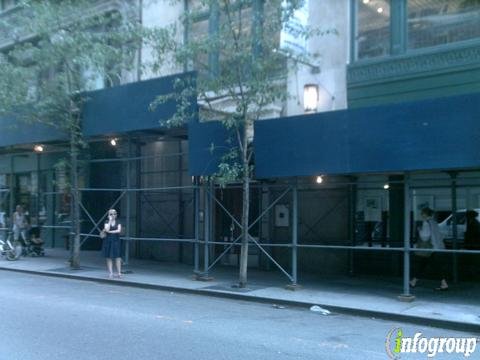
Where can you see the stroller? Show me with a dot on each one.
(33, 243)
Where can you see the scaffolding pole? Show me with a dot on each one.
(294, 233)
(453, 176)
(406, 296)
(196, 250)
(128, 210)
(351, 226)
(207, 231)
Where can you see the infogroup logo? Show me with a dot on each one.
(397, 343)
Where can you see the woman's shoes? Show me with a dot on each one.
(119, 276)
(110, 276)
(443, 286)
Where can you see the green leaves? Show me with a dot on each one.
(234, 46)
(60, 49)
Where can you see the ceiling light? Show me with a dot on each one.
(380, 10)
(366, 1)
(319, 179)
(38, 148)
(113, 142)
(386, 186)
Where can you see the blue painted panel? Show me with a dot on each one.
(284, 143)
(16, 132)
(126, 108)
(437, 134)
(208, 142)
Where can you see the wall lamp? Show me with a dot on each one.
(315, 96)
(310, 97)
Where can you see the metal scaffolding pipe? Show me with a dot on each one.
(133, 238)
(145, 238)
(55, 227)
(104, 215)
(453, 176)
(138, 189)
(238, 224)
(306, 246)
(406, 239)
(128, 204)
(12, 184)
(135, 158)
(271, 258)
(294, 233)
(206, 227)
(196, 250)
(351, 225)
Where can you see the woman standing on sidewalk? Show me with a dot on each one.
(112, 246)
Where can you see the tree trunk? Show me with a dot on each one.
(245, 224)
(245, 215)
(73, 122)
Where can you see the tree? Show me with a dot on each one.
(57, 51)
(241, 70)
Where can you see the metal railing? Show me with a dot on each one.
(205, 200)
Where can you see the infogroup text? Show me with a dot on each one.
(397, 343)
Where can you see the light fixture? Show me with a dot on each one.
(319, 179)
(380, 10)
(386, 186)
(310, 97)
(113, 142)
(366, 1)
(38, 148)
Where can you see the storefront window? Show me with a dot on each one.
(438, 22)
(373, 29)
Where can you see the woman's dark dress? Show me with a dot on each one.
(112, 245)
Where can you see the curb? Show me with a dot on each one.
(444, 324)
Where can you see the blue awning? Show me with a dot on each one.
(436, 134)
(17, 132)
(108, 111)
(125, 108)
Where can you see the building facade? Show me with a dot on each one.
(337, 190)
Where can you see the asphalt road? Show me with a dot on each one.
(55, 318)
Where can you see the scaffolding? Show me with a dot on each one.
(200, 201)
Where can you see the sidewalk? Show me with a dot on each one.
(458, 308)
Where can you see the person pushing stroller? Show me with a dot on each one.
(20, 226)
